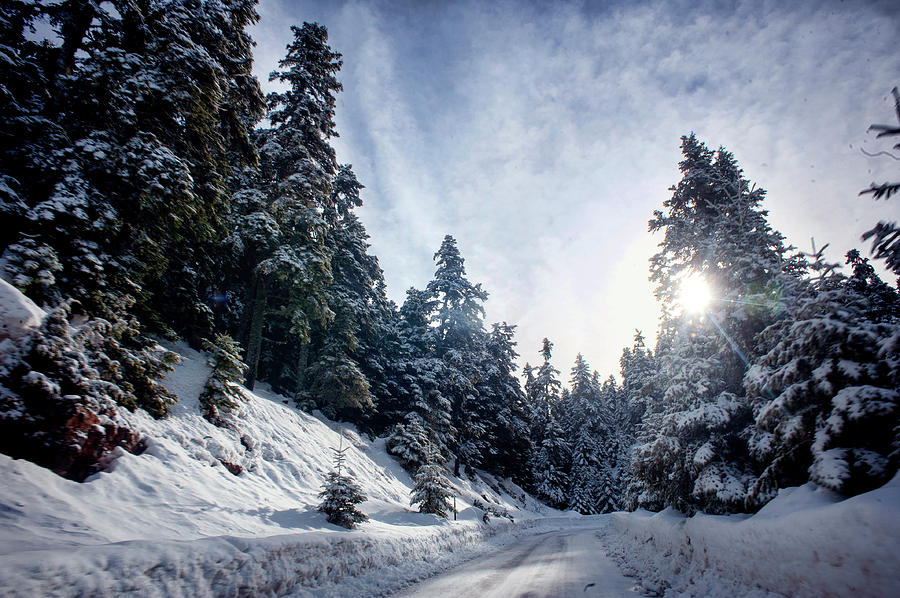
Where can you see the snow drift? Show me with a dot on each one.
(804, 543)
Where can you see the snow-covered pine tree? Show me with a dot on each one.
(409, 442)
(581, 419)
(283, 205)
(58, 396)
(684, 458)
(420, 372)
(459, 342)
(715, 227)
(551, 462)
(222, 392)
(431, 490)
(356, 297)
(126, 118)
(384, 359)
(340, 494)
(551, 454)
(638, 369)
(502, 407)
(825, 394)
(585, 475)
(138, 99)
(542, 388)
(582, 406)
(614, 455)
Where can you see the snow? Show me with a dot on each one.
(175, 521)
(807, 542)
(18, 313)
(558, 564)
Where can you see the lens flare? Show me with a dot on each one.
(694, 295)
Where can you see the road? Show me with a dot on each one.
(559, 564)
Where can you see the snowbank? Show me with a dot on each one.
(209, 511)
(18, 313)
(312, 563)
(805, 543)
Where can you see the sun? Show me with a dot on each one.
(694, 294)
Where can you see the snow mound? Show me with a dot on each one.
(18, 314)
(228, 511)
(807, 542)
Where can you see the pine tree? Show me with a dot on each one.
(58, 396)
(551, 455)
(460, 339)
(616, 441)
(550, 465)
(356, 297)
(222, 392)
(340, 495)
(139, 93)
(502, 408)
(638, 368)
(582, 404)
(286, 201)
(692, 455)
(420, 373)
(431, 491)
(825, 394)
(585, 476)
(131, 121)
(542, 388)
(886, 235)
(409, 442)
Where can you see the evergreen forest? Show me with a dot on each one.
(151, 193)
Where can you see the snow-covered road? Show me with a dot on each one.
(557, 564)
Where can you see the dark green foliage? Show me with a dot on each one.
(886, 235)
(279, 228)
(459, 340)
(420, 374)
(131, 124)
(502, 408)
(59, 393)
(340, 495)
(431, 491)
(222, 392)
(691, 454)
(357, 299)
(410, 443)
(825, 394)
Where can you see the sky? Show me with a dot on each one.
(542, 136)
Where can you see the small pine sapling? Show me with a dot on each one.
(432, 491)
(223, 390)
(340, 495)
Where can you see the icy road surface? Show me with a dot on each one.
(559, 564)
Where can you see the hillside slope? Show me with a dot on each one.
(211, 511)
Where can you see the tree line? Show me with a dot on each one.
(154, 192)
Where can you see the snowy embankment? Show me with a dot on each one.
(805, 543)
(209, 511)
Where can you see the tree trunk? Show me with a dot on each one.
(257, 317)
(302, 360)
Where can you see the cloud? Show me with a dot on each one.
(543, 136)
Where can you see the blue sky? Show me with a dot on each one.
(543, 135)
